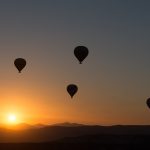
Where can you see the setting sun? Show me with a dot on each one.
(12, 118)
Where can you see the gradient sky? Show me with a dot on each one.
(113, 81)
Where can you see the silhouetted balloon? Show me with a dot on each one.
(148, 102)
(81, 52)
(72, 89)
(20, 63)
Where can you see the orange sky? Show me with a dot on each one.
(113, 81)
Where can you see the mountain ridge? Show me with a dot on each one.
(55, 132)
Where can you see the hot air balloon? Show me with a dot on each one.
(81, 52)
(72, 89)
(148, 102)
(20, 63)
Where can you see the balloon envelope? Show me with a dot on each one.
(72, 89)
(148, 102)
(81, 52)
(20, 63)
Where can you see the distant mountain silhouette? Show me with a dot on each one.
(25, 126)
(71, 133)
(68, 124)
(39, 125)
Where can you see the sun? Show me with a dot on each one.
(12, 118)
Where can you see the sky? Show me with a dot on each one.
(113, 81)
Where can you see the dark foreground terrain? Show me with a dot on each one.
(56, 146)
(77, 137)
(92, 142)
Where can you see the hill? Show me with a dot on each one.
(71, 133)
